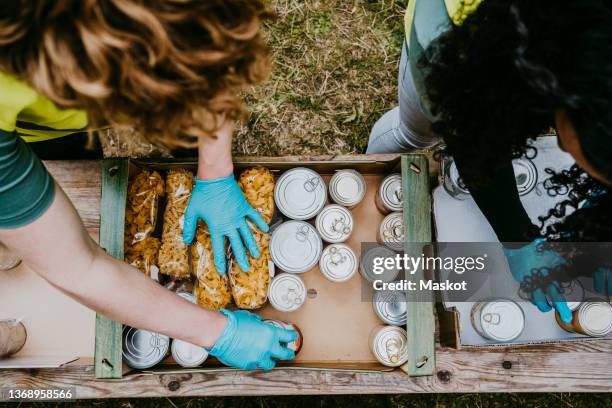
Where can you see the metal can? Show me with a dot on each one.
(451, 181)
(391, 231)
(143, 349)
(13, 336)
(591, 319)
(8, 260)
(347, 188)
(390, 307)
(389, 344)
(389, 197)
(287, 292)
(295, 345)
(300, 193)
(525, 174)
(334, 223)
(188, 355)
(499, 320)
(368, 261)
(295, 246)
(338, 263)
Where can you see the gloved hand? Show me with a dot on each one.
(524, 260)
(222, 206)
(602, 281)
(249, 343)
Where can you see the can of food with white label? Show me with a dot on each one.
(295, 246)
(525, 174)
(389, 344)
(287, 292)
(334, 223)
(143, 349)
(13, 336)
(295, 345)
(499, 320)
(592, 318)
(347, 188)
(188, 355)
(390, 307)
(372, 268)
(391, 231)
(451, 181)
(389, 197)
(300, 193)
(8, 260)
(338, 263)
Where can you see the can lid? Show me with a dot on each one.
(390, 192)
(390, 346)
(287, 292)
(392, 231)
(595, 318)
(187, 354)
(456, 178)
(143, 349)
(367, 265)
(295, 246)
(502, 320)
(390, 307)
(338, 263)
(347, 187)
(300, 193)
(334, 223)
(526, 175)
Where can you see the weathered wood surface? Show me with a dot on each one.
(566, 367)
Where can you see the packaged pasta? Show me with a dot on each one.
(141, 207)
(173, 255)
(257, 184)
(250, 289)
(212, 289)
(144, 256)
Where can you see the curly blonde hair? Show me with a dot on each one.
(171, 68)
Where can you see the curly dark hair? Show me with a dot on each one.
(495, 82)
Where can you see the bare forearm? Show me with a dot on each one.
(215, 155)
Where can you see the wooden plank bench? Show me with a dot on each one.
(568, 367)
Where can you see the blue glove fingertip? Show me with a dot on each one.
(543, 307)
(564, 312)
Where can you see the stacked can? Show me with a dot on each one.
(13, 336)
(186, 354)
(390, 307)
(389, 197)
(338, 263)
(389, 345)
(143, 349)
(300, 193)
(295, 246)
(347, 188)
(499, 320)
(592, 318)
(295, 345)
(287, 292)
(525, 174)
(391, 232)
(334, 223)
(451, 181)
(366, 265)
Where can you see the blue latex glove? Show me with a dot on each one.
(524, 260)
(248, 343)
(222, 206)
(602, 281)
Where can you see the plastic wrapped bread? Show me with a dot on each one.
(173, 255)
(141, 207)
(212, 289)
(144, 256)
(250, 289)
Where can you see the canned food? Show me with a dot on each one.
(451, 181)
(391, 231)
(500, 320)
(300, 193)
(372, 259)
(389, 344)
(143, 349)
(389, 197)
(13, 336)
(347, 188)
(295, 246)
(188, 355)
(334, 223)
(574, 291)
(287, 292)
(526, 175)
(8, 260)
(390, 307)
(295, 345)
(338, 263)
(591, 319)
